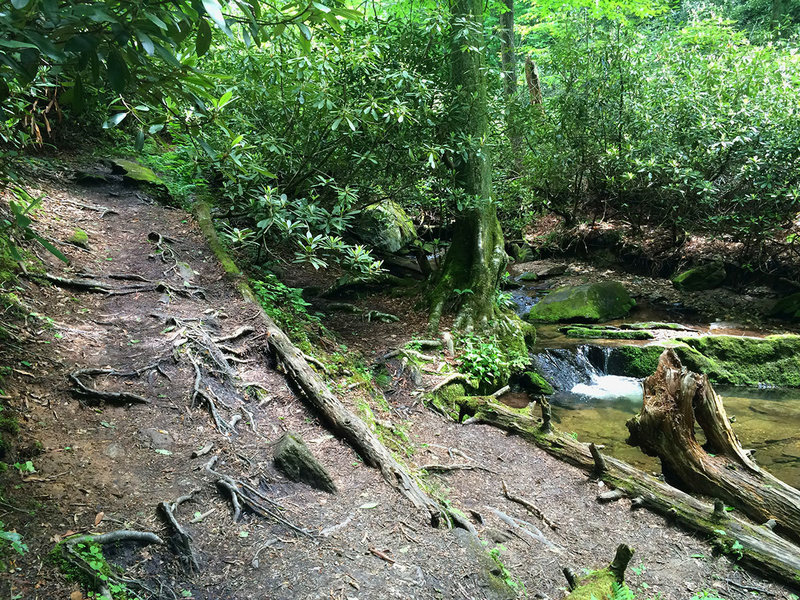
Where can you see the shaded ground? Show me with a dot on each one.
(102, 466)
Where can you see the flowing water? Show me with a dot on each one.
(595, 406)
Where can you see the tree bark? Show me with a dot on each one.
(532, 78)
(476, 257)
(508, 58)
(758, 546)
(674, 400)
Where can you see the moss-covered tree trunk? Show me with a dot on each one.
(476, 257)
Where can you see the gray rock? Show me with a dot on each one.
(294, 458)
(114, 451)
(157, 439)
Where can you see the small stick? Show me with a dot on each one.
(501, 391)
(382, 555)
(530, 506)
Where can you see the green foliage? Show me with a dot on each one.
(98, 572)
(694, 127)
(503, 573)
(10, 540)
(488, 360)
(286, 306)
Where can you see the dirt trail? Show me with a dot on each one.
(95, 456)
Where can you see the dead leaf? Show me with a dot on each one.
(98, 518)
(76, 595)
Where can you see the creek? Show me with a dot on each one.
(595, 404)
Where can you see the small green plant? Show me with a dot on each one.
(12, 540)
(486, 360)
(503, 572)
(26, 467)
(706, 595)
(287, 307)
(94, 572)
(620, 591)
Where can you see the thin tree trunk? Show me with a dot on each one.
(532, 78)
(508, 57)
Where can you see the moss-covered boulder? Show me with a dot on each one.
(704, 277)
(787, 307)
(589, 303)
(726, 359)
(386, 226)
(294, 458)
(773, 360)
(79, 238)
(633, 361)
(140, 176)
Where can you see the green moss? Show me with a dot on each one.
(654, 325)
(80, 238)
(529, 276)
(774, 360)
(634, 361)
(135, 174)
(536, 384)
(447, 399)
(704, 277)
(589, 303)
(597, 585)
(607, 334)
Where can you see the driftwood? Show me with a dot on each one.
(758, 546)
(674, 399)
(341, 420)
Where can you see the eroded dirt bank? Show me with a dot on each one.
(104, 464)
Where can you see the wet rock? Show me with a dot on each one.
(704, 277)
(386, 226)
(589, 303)
(539, 269)
(294, 458)
(606, 334)
(536, 384)
(787, 307)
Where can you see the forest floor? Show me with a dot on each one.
(104, 464)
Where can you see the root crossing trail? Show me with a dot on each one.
(149, 401)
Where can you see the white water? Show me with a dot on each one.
(610, 387)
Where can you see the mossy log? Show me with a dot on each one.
(600, 584)
(758, 546)
(341, 420)
(674, 400)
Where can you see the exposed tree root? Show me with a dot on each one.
(101, 287)
(78, 560)
(530, 506)
(343, 421)
(244, 494)
(180, 539)
(84, 390)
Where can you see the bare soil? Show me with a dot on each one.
(103, 466)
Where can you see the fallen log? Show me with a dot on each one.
(756, 546)
(342, 421)
(674, 400)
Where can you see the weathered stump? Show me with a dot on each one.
(600, 584)
(675, 399)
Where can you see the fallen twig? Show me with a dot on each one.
(530, 506)
(382, 555)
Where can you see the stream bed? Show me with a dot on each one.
(595, 406)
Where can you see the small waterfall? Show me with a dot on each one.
(580, 374)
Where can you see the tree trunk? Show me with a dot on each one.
(532, 78)
(674, 399)
(477, 257)
(508, 58)
(755, 545)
